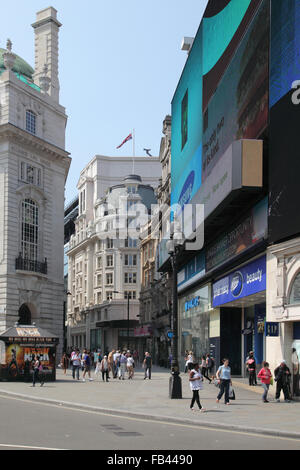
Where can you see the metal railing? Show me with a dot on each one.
(24, 264)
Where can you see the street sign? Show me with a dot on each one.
(272, 328)
(170, 334)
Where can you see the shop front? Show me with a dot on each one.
(194, 310)
(240, 298)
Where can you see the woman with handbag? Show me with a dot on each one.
(196, 381)
(224, 377)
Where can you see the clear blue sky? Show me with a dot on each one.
(120, 62)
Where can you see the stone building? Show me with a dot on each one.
(33, 170)
(156, 291)
(104, 267)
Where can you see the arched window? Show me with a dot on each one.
(24, 315)
(29, 236)
(30, 122)
(295, 291)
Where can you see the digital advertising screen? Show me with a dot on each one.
(284, 165)
(198, 115)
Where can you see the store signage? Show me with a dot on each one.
(272, 328)
(192, 303)
(245, 281)
(142, 331)
(243, 236)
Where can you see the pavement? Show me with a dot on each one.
(149, 400)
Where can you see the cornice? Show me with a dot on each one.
(10, 131)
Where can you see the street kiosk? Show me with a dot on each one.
(20, 345)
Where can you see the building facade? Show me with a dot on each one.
(233, 124)
(33, 170)
(104, 261)
(156, 287)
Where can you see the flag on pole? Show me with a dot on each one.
(129, 137)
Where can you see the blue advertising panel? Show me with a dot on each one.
(245, 281)
(219, 36)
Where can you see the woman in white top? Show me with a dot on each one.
(190, 361)
(196, 380)
(130, 363)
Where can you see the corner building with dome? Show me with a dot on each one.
(33, 169)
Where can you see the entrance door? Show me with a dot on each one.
(231, 338)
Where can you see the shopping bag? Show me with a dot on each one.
(271, 381)
(231, 394)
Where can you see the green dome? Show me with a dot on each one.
(21, 67)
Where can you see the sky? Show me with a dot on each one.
(119, 66)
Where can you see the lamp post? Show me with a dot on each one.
(175, 387)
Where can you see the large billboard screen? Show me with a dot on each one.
(239, 108)
(220, 33)
(284, 166)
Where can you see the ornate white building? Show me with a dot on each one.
(33, 170)
(104, 267)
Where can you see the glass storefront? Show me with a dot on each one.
(194, 309)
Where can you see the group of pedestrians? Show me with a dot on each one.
(114, 364)
(223, 380)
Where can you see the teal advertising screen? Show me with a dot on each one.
(219, 36)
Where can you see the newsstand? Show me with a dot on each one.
(19, 345)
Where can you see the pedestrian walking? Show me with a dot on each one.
(196, 384)
(98, 368)
(190, 361)
(282, 376)
(130, 364)
(123, 364)
(147, 364)
(116, 363)
(204, 370)
(209, 363)
(110, 359)
(224, 377)
(185, 361)
(251, 366)
(76, 362)
(64, 362)
(37, 372)
(265, 376)
(105, 368)
(135, 357)
(86, 359)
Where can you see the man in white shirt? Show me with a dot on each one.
(116, 364)
(76, 362)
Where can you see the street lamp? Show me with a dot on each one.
(118, 292)
(173, 247)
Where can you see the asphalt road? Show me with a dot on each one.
(33, 426)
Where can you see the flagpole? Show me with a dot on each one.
(133, 150)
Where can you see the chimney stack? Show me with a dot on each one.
(46, 30)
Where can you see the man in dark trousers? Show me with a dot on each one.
(282, 376)
(147, 365)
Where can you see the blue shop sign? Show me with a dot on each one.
(245, 281)
(271, 328)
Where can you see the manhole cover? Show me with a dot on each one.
(127, 434)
